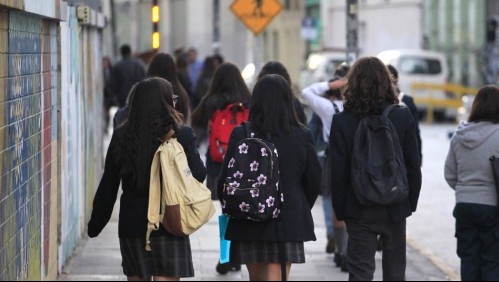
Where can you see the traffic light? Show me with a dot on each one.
(155, 21)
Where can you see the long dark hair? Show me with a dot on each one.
(163, 65)
(204, 80)
(274, 67)
(272, 110)
(151, 116)
(486, 105)
(228, 84)
(370, 87)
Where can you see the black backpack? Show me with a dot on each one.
(379, 176)
(251, 189)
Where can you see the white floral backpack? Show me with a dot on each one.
(251, 188)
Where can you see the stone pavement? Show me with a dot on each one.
(99, 259)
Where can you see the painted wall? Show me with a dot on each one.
(28, 207)
(51, 131)
(81, 129)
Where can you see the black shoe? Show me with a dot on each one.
(223, 268)
(337, 259)
(331, 245)
(234, 267)
(344, 265)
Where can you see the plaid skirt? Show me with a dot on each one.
(245, 252)
(170, 256)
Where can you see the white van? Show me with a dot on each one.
(423, 66)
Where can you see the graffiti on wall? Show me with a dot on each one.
(81, 129)
(49, 125)
(20, 201)
(72, 126)
(27, 239)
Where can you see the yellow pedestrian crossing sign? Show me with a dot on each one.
(256, 14)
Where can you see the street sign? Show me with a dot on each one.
(256, 14)
(308, 28)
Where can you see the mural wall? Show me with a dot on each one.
(28, 105)
(51, 134)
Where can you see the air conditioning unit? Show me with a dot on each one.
(83, 13)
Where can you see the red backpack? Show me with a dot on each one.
(221, 124)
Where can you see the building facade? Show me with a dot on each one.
(210, 27)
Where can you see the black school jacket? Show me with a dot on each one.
(300, 178)
(345, 204)
(133, 205)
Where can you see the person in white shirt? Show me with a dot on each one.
(324, 98)
(325, 106)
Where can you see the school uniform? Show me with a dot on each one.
(364, 223)
(300, 177)
(171, 255)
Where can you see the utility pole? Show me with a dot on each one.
(216, 27)
(113, 29)
(352, 11)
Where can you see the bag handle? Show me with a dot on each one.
(167, 136)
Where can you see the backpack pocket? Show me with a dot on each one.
(245, 199)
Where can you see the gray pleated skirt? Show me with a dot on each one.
(245, 252)
(170, 256)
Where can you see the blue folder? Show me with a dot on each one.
(223, 220)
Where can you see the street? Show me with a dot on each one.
(431, 251)
(431, 228)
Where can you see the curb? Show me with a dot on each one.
(452, 275)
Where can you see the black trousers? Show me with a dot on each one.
(477, 232)
(362, 243)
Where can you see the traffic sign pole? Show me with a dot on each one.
(352, 11)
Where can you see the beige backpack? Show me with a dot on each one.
(176, 199)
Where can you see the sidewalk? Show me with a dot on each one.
(99, 259)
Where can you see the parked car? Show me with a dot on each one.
(320, 66)
(423, 66)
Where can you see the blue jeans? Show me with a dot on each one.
(477, 233)
(327, 206)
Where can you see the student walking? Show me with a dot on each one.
(255, 244)
(227, 88)
(128, 160)
(469, 172)
(325, 101)
(407, 101)
(274, 67)
(369, 91)
(125, 74)
(163, 65)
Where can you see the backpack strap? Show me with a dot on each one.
(388, 109)
(153, 210)
(336, 109)
(247, 129)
